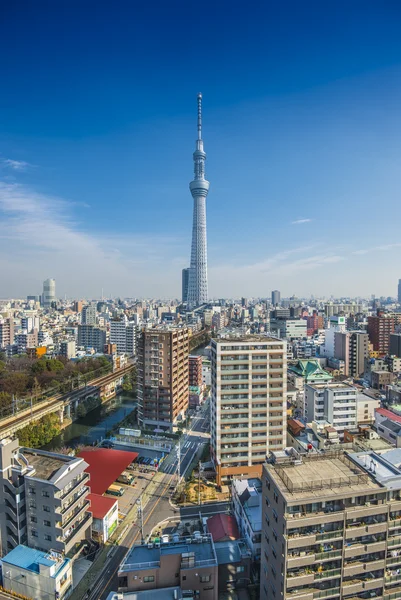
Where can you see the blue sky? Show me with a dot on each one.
(302, 128)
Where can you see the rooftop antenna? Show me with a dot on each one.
(199, 116)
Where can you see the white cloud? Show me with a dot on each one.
(40, 239)
(300, 221)
(383, 248)
(17, 165)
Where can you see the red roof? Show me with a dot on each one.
(388, 414)
(223, 527)
(105, 466)
(101, 505)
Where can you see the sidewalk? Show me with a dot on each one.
(91, 576)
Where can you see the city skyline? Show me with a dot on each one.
(302, 129)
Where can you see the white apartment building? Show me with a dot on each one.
(123, 334)
(333, 402)
(248, 403)
(247, 507)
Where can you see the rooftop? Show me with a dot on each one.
(332, 472)
(105, 466)
(260, 339)
(388, 414)
(46, 464)
(31, 559)
(223, 527)
(194, 552)
(171, 593)
(101, 505)
(231, 552)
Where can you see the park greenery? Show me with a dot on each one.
(23, 378)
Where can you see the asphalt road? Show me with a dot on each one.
(158, 508)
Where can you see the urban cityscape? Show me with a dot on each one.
(197, 444)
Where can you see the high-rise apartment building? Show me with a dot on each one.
(88, 314)
(276, 298)
(90, 336)
(399, 291)
(123, 335)
(331, 527)
(248, 403)
(162, 376)
(184, 284)
(78, 306)
(197, 283)
(195, 371)
(6, 332)
(353, 348)
(380, 327)
(43, 496)
(334, 402)
(49, 292)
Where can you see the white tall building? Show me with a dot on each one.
(197, 282)
(123, 334)
(333, 402)
(49, 292)
(248, 403)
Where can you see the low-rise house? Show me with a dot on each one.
(36, 574)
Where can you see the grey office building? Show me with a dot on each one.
(43, 499)
(276, 297)
(395, 344)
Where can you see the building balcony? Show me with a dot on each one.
(71, 518)
(365, 511)
(390, 579)
(357, 586)
(359, 567)
(73, 536)
(313, 519)
(361, 529)
(393, 594)
(75, 487)
(360, 549)
(80, 495)
(309, 558)
(313, 594)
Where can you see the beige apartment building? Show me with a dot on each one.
(163, 391)
(248, 403)
(331, 526)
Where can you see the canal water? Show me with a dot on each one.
(95, 424)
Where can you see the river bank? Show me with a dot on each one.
(95, 424)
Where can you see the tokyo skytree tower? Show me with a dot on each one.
(197, 285)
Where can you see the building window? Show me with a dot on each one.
(32, 504)
(48, 537)
(148, 579)
(123, 582)
(46, 523)
(34, 520)
(45, 494)
(240, 569)
(46, 508)
(275, 494)
(31, 490)
(34, 533)
(204, 578)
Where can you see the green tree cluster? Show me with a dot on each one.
(41, 432)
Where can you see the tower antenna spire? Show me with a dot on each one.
(199, 116)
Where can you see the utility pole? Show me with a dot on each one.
(140, 515)
(199, 478)
(179, 463)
